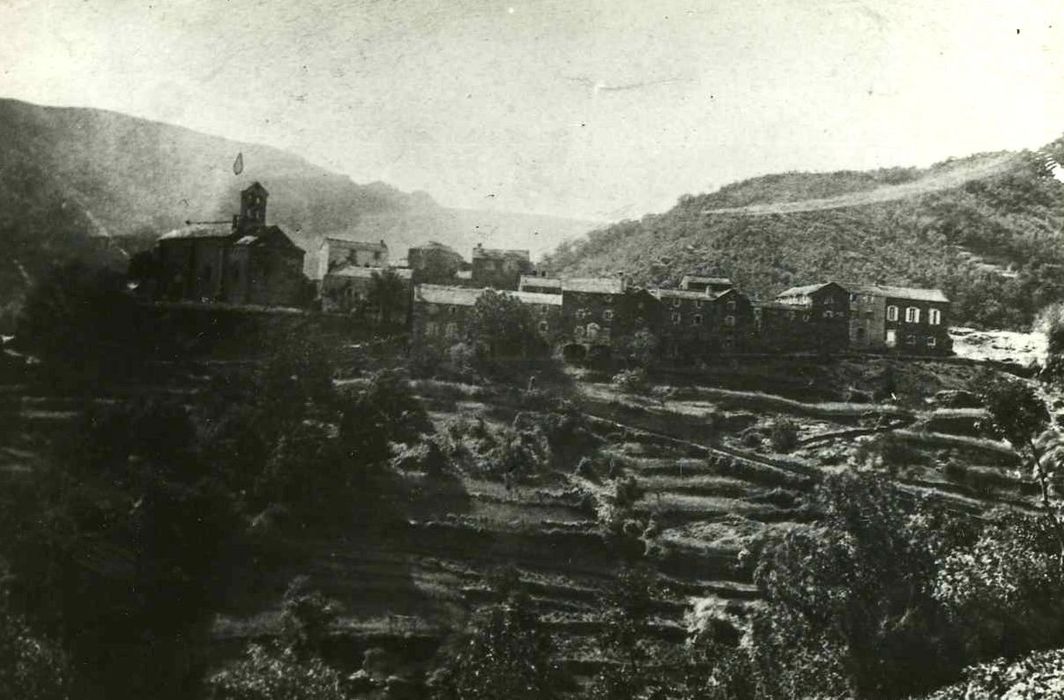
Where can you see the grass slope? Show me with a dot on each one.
(985, 228)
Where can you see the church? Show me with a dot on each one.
(244, 261)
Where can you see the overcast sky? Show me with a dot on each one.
(592, 108)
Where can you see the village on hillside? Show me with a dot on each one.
(247, 262)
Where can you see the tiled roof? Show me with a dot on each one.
(353, 244)
(694, 279)
(914, 293)
(803, 290)
(534, 281)
(441, 294)
(201, 230)
(680, 294)
(594, 285)
(499, 253)
(538, 298)
(368, 272)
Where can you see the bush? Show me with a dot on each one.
(631, 380)
(783, 435)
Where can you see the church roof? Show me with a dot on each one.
(204, 229)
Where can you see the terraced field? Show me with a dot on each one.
(709, 486)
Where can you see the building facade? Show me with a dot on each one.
(336, 252)
(379, 294)
(903, 319)
(820, 322)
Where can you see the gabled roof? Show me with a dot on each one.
(269, 236)
(914, 293)
(442, 294)
(360, 272)
(351, 244)
(806, 289)
(594, 285)
(535, 281)
(499, 253)
(209, 229)
(257, 186)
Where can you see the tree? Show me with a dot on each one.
(80, 320)
(640, 349)
(849, 603)
(1018, 414)
(272, 673)
(504, 653)
(387, 293)
(385, 411)
(501, 324)
(31, 667)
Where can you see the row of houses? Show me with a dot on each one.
(434, 290)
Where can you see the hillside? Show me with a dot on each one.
(70, 179)
(985, 228)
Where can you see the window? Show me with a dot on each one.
(697, 320)
(592, 331)
(452, 330)
(910, 340)
(934, 317)
(932, 341)
(579, 331)
(675, 317)
(543, 326)
(730, 306)
(729, 320)
(854, 298)
(676, 303)
(828, 313)
(698, 303)
(581, 314)
(912, 314)
(892, 313)
(607, 315)
(859, 333)
(452, 310)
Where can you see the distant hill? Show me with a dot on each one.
(88, 182)
(985, 228)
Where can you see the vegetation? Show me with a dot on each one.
(1003, 208)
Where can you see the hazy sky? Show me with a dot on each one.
(593, 108)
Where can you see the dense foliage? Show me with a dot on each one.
(935, 231)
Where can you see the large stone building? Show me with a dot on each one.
(244, 261)
(440, 314)
(696, 326)
(814, 317)
(906, 319)
(600, 314)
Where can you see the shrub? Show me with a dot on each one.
(631, 380)
(783, 435)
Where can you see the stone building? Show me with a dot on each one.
(905, 319)
(499, 269)
(696, 326)
(357, 290)
(244, 261)
(813, 317)
(440, 314)
(600, 314)
(336, 252)
(434, 263)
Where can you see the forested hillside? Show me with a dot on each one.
(986, 228)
